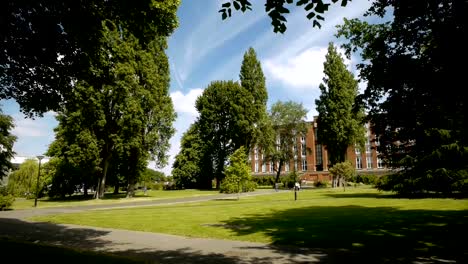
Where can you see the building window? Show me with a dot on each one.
(263, 166)
(358, 162)
(256, 153)
(302, 139)
(272, 169)
(295, 165)
(286, 166)
(303, 149)
(318, 154)
(256, 166)
(380, 164)
(358, 151)
(304, 165)
(369, 161)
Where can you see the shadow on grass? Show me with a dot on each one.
(361, 195)
(26, 242)
(363, 234)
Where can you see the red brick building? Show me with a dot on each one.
(311, 159)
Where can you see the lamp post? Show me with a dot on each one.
(39, 157)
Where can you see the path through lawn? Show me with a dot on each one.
(358, 221)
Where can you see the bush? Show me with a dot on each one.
(155, 186)
(6, 199)
(321, 184)
(249, 186)
(368, 179)
(290, 179)
(264, 180)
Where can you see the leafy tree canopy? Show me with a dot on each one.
(277, 9)
(48, 45)
(340, 122)
(413, 90)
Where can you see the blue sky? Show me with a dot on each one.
(205, 48)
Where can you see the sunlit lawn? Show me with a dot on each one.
(109, 198)
(358, 221)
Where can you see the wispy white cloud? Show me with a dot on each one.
(25, 127)
(301, 72)
(185, 103)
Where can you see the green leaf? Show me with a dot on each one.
(302, 2)
(317, 24)
(309, 6)
(344, 2)
(236, 5)
(310, 15)
(226, 5)
(320, 17)
(229, 12)
(224, 15)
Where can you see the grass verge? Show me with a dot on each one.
(359, 222)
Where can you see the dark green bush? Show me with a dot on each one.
(155, 186)
(368, 179)
(320, 184)
(6, 199)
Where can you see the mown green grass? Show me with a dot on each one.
(24, 252)
(77, 200)
(360, 221)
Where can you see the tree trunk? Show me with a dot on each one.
(116, 188)
(85, 189)
(278, 171)
(131, 188)
(344, 184)
(102, 186)
(96, 191)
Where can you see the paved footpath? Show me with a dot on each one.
(152, 247)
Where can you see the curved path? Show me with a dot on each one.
(152, 247)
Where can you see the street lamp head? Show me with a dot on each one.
(40, 157)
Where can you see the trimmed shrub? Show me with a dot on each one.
(6, 199)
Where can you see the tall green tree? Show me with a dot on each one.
(188, 168)
(48, 45)
(286, 123)
(7, 140)
(254, 101)
(125, 109)
(340, 121)
(413, 90)
(221, 118)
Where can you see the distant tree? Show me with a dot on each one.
(276, 10)
(340, 120)
(188, 169)
(222, 116)
(343, 171)
(48, 45)
(6, 143)
(254, 101)
(237, 173)
(22, 182)
(286, 123)
(419, 116)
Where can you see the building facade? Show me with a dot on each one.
(311, 158)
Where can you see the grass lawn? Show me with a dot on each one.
(14, 251)
(77, 200)
(357, 223)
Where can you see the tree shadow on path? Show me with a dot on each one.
(14, 231)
